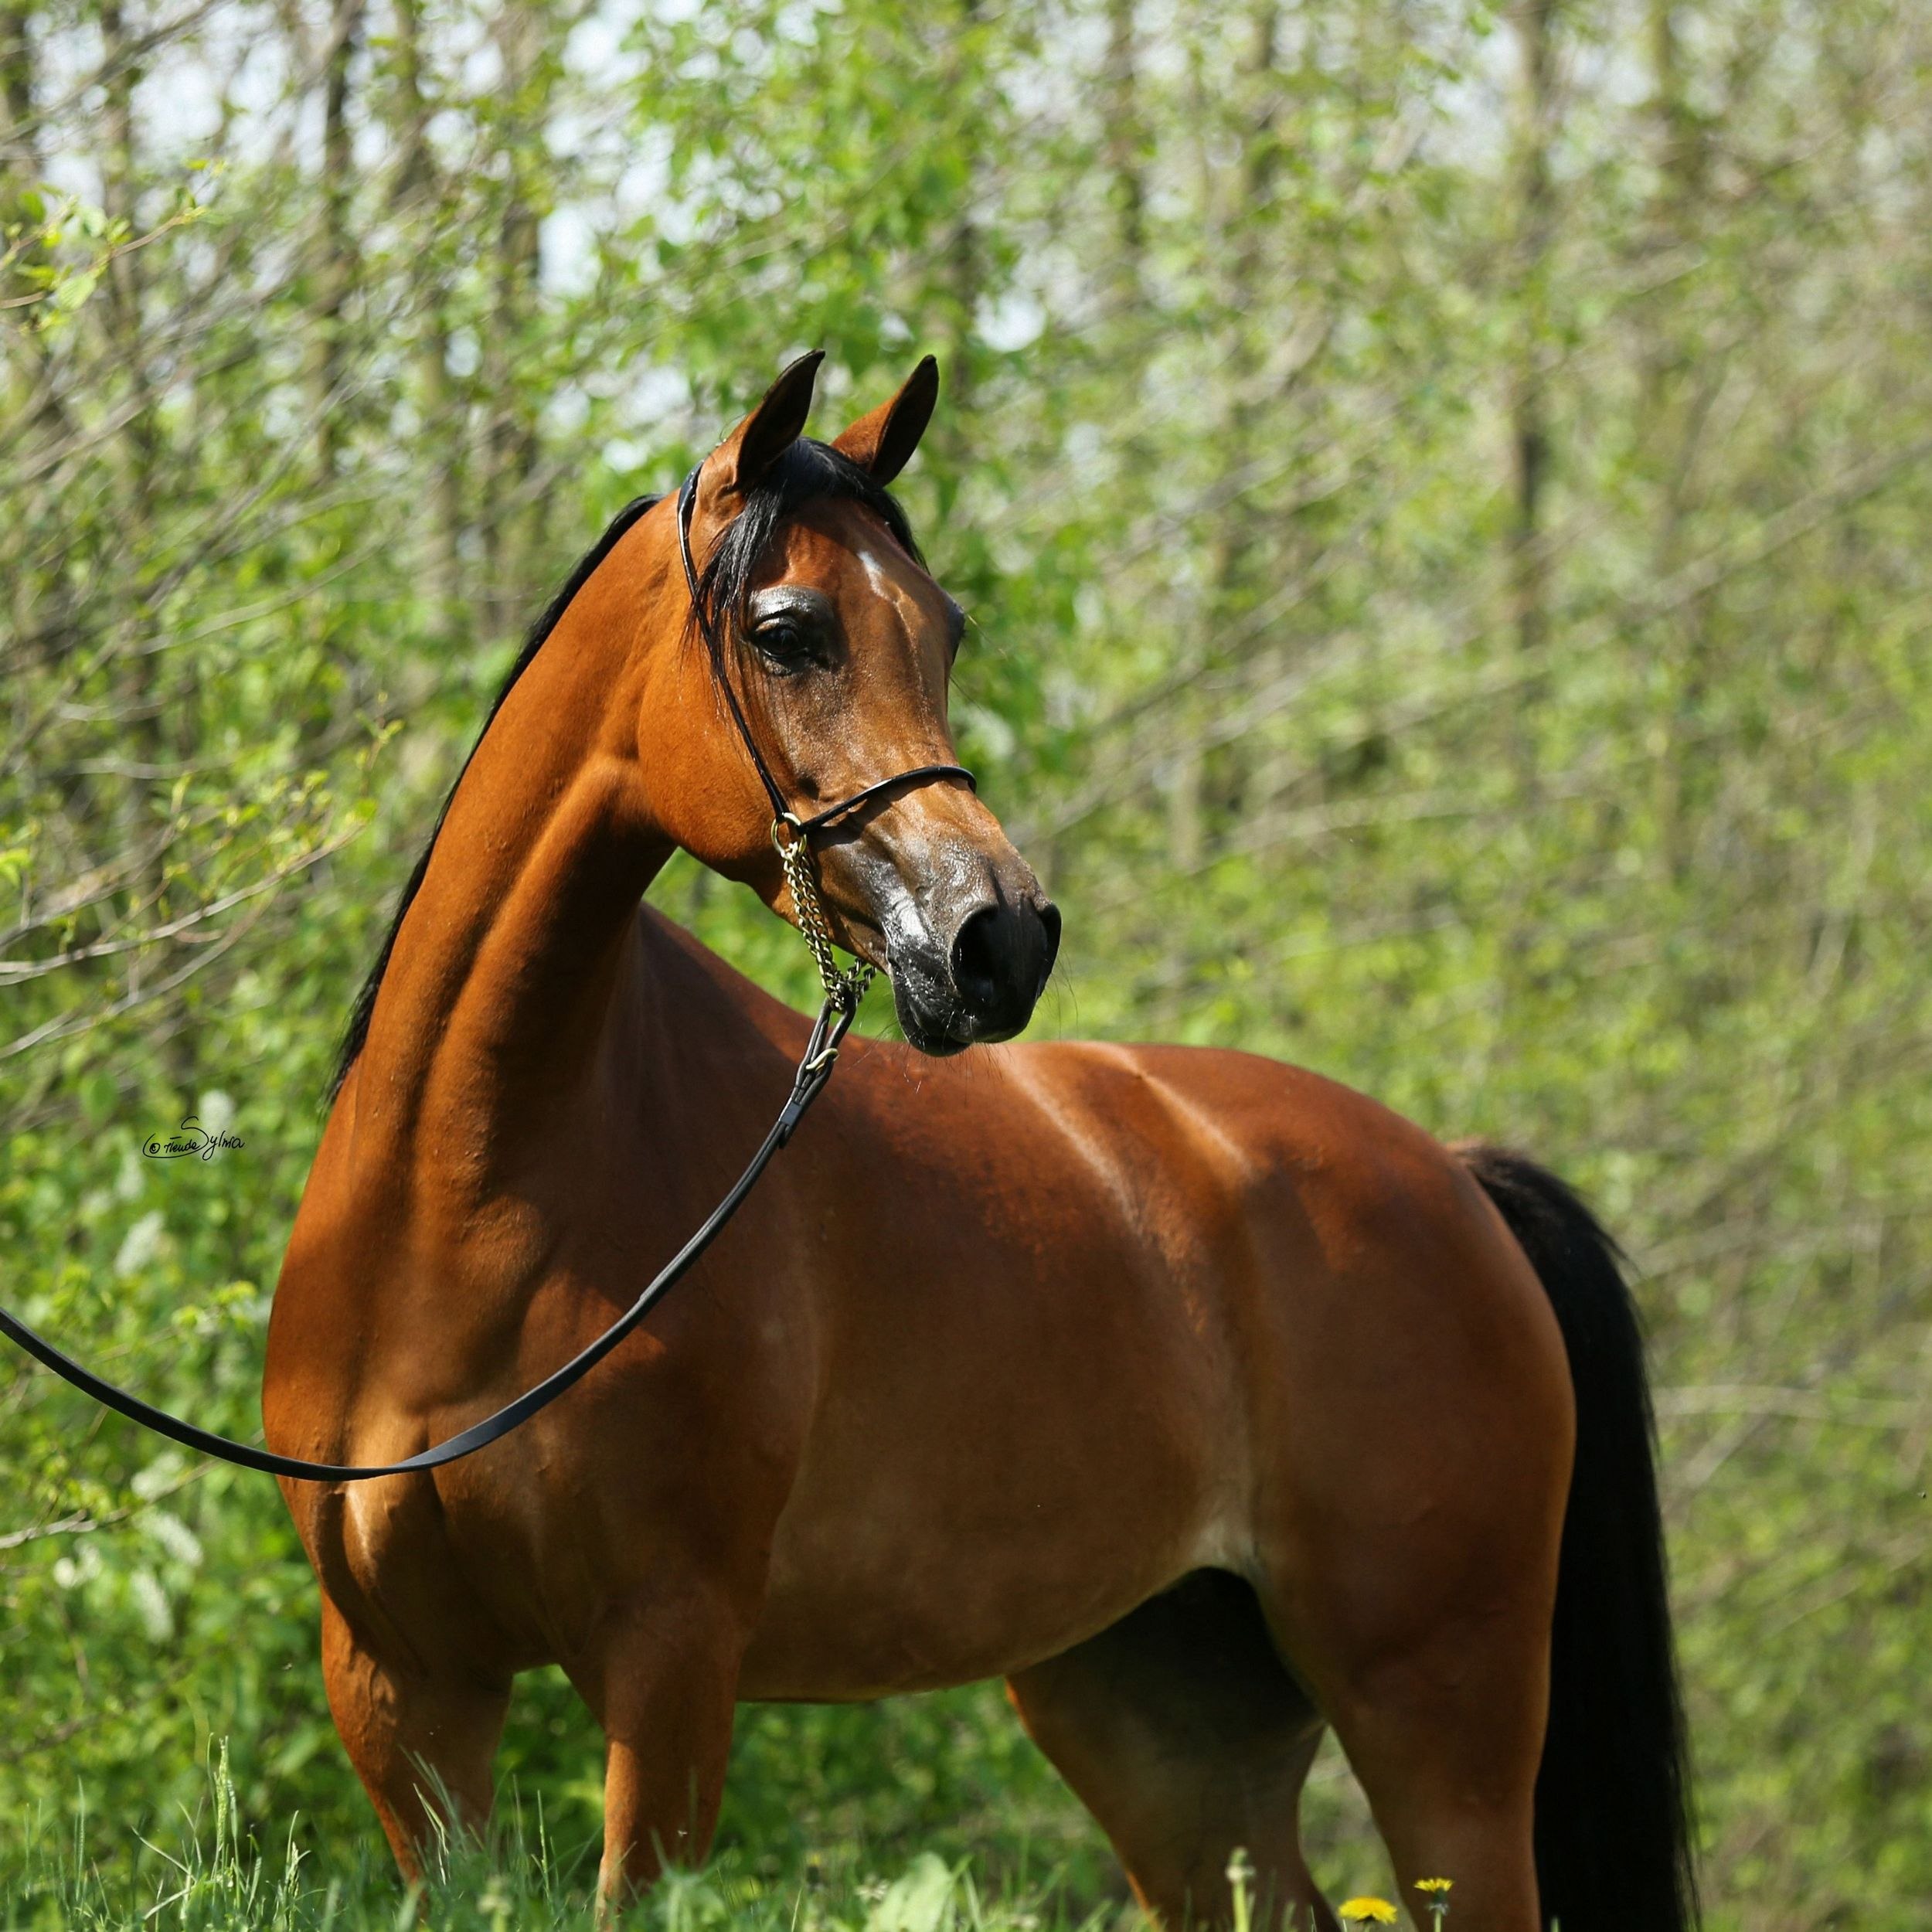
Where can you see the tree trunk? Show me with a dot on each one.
(141, 700)
(1529, 448)
(335, 265)
(1231, 567)
(418, 196)
(506, 511)
(1234, 532)
(1126, 190)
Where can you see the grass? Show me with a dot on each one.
(209, 1875)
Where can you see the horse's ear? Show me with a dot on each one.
(742, 461)
(883, 442)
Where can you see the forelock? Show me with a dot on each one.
(809, 471)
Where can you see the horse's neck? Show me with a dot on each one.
(504, 966)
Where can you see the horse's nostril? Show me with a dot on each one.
(979, 953)
(1050, 918)
(1001, 957)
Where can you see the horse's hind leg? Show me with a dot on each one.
(1412, 1516)
(1181, 1731)
(420, 1741)
(1442, 1724)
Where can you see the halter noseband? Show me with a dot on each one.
(790, 833)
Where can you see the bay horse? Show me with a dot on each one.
(1205, 1400)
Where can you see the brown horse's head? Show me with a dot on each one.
(840, 644)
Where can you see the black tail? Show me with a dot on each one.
(1612, 1797)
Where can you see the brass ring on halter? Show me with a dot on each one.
(834, 1023)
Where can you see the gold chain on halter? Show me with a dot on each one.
(844, 988)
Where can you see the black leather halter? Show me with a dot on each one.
(782, 814)
(814, 1070)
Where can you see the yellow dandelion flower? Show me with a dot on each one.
(1369, 1912)
(1433, 1885)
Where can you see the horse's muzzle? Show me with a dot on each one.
(981, 981)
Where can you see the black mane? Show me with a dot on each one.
(807, 470)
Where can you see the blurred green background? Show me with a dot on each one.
(1443, 492)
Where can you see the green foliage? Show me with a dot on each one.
(210, 1873)
(1443, 525)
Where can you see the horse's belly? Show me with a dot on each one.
(840, 1631)
(947, 1556)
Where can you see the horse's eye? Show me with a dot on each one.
(793, 629)
(785, 645)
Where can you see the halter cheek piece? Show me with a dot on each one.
(791, 834)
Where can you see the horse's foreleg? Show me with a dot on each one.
(421, 1739)
(662, 1680)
